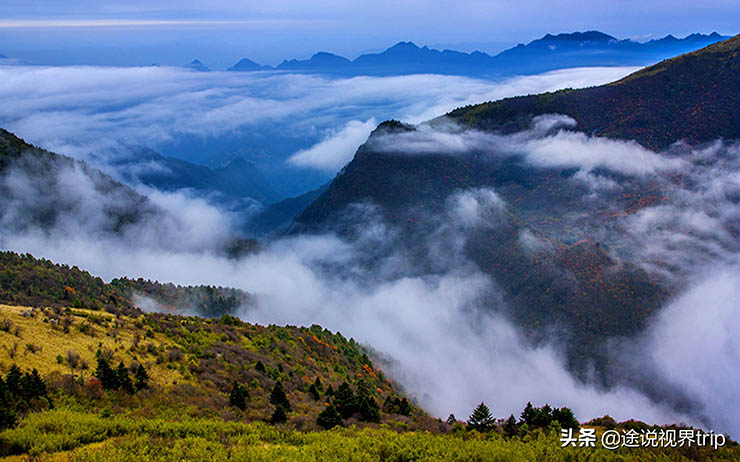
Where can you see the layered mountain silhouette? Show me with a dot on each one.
(547, 53)
(237, 180)
(557, 255)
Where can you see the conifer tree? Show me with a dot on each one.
(141, 378)
(107, 376)
(238, 396)
(566, 418)
(369, 409)
(314, 392)
(124, 381)
(278, 397)
(319, 386)
(13, 380)
(528, 415)
(345, 401)
(7, 414)
(330, 418)
(33, 386)
(481, 419)
(451, 419)
(404, 408)
(511, 428)
(279, 415)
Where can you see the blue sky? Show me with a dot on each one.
(220, 32)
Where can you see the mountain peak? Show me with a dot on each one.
(404, 46)
(198, 66)
(588, 36)
(246, 64)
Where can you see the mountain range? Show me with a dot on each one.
(550, 52)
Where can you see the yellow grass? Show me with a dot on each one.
(54, 342)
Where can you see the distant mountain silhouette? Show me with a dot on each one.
(317, 62)
(237, 180)
(278, 216)
(247, 64)
(196, 65)
(591, 48)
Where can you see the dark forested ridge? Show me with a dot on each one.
(47, 178)
(28, 281)
(692, 97)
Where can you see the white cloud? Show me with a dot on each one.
(71, 109)
(337, 149)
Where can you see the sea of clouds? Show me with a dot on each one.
(429, 328)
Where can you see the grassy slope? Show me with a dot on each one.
(193, 362)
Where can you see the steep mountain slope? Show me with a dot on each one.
(692, 97)
(42, 189)
(558, 239)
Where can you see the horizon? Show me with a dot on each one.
(135, 33)
(462, 47)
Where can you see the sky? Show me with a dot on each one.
(148, 32)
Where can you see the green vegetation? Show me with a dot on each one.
(68, 434)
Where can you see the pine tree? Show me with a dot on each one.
(33, 386)
(566, 418)
(238, 396)
(389, 406)
(369, 409)
(330, 418)
(511, 428)
(528, 415)
(13, 380)
(330, 391)
(314, 392)
(7, 413)
(319, 386)
(278, 397)
(260, 367)
(141, 378)
(279, 415)
(451, 419)
(481, 419)
(404, 408)
(107, 376)
(345, 401)
(124, 381)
